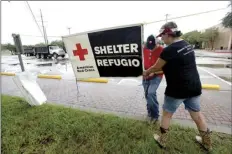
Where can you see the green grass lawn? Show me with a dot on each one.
(54, 129)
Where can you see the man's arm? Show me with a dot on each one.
(159, 72)
(162, 60)
(157, 67)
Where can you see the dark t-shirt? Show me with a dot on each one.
(180, 70)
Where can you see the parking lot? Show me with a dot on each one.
(218, 64)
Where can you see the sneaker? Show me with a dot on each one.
(148, 118)
(151, 120)
(154, 120)
(205, 139)
(162, 139)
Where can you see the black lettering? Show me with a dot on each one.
(89, 70)
(80, 71)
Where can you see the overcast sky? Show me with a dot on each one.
(86, 15)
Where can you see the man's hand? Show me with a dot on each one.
(151, 74)
(146, 73)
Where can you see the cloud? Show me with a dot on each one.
(90, 15)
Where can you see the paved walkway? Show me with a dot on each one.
(128, 100)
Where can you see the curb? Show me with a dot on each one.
(98, 80)
(59, 77)
(210, 86)
(101, 80)
(7, 73)
(49, 76)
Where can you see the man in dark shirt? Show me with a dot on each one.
(183, 83)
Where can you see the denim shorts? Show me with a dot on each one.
(191, 104)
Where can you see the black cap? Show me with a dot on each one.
(151, 42)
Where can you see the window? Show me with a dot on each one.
(53, 47)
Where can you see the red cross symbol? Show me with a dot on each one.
(80, 52)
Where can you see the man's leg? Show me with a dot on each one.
(145, 87)
(169, 107)
(193, 106)
(152, 97)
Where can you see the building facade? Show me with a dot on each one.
(223, 40)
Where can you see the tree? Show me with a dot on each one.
(209, 36)
(9, 47)
(28, 46)
(40, 44)
(227, 20)
(59, 43)
(193, 37)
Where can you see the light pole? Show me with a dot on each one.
(166, 17)
(44, 31)
(69, 30)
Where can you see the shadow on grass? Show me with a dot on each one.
(55, 129)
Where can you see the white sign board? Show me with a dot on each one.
(29, 88)
(115, 52)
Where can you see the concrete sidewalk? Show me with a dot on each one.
(128, 100)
